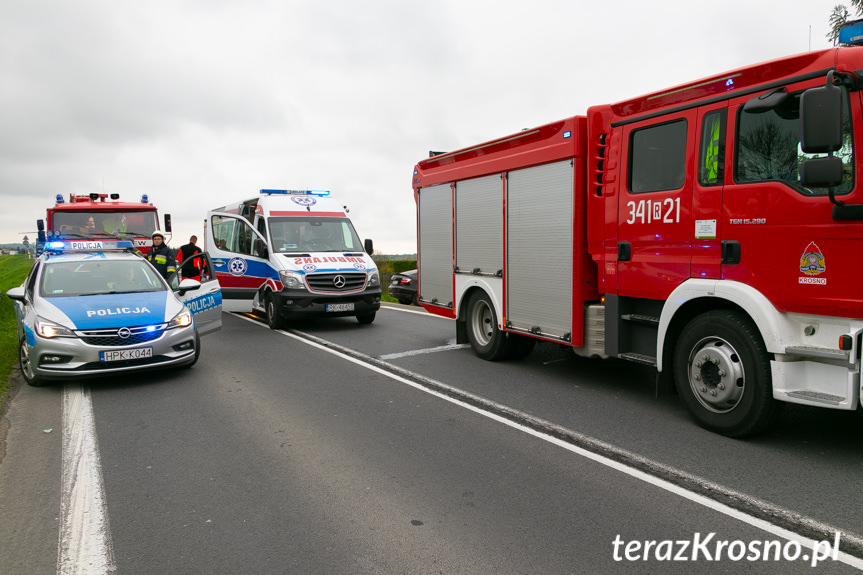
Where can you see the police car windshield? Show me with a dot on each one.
(98, 276)
(313, 234)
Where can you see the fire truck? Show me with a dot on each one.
(96, 216)
(712, 230)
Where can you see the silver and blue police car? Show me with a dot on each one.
(95, 308)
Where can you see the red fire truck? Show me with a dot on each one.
(101, 216)
(712, 230)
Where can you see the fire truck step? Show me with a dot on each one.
(817, 397)
(638, 358)
(640, 318)
(819, 352)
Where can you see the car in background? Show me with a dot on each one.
(403, 287)
(96, 308)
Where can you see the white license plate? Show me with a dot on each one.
(340, 307)
(126, 354)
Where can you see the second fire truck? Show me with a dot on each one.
(712, 230)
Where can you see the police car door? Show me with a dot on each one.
(205, 303)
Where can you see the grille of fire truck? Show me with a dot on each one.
(329, 282)
(111, 337)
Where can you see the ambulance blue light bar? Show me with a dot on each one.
(852, 33)
(298, 192)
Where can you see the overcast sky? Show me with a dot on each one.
(199, 103)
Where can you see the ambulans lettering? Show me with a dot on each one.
(326, 259)
(666, 211)
(116, 311)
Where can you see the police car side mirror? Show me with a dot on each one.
(188, 284)
(16, 293)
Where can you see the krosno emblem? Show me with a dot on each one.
(812, 263)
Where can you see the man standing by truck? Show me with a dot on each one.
(192, 268)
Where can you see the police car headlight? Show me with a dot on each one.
(291, 280)
(182, 319)
(48, 329)
(374, 279)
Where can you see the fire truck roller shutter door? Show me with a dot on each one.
(435, 244)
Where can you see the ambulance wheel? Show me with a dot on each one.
(486, 340)
(274, 319)
(366, 318)
(722, 373)
(27, 366)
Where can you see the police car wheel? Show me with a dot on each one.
(27, 367)
(722, 373)
(274, 319)
(197, 351)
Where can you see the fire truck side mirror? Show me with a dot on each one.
(821, 119)
(168, 223)
(40, 231)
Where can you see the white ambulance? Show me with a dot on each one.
(294, 254)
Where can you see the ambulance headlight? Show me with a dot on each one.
(291, 280)
(49, 330)
(182, 319)
(374, 279)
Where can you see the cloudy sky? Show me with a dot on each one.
(199, 103)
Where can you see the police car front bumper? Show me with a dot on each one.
(73, 357)
(301, 303)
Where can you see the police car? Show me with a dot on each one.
(95, 308)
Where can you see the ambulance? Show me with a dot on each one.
(293, 254)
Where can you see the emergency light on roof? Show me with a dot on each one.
(59, 198)
(298, 192)
(851, 33)
(78, 246)
(145, 199)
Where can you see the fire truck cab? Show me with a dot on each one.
(711, 230)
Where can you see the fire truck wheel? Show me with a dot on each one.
(274, 319)
(27, 367)
(722, 373)
(522, 345)
(486, 340)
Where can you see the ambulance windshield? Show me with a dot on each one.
(313, 234)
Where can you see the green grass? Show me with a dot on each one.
(13, 270)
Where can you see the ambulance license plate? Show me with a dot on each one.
(126, 354)
(340, 307)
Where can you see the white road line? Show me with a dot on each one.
(759, 523)
(85, 546)
(422, 351)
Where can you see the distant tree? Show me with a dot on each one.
(839, 17)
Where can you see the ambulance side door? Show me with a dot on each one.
(205, 303)
(241, 263)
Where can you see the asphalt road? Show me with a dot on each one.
(340, 448)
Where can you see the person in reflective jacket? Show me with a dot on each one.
(161, 256)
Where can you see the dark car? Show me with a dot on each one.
(403, 287)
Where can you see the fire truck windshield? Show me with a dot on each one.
(127, 224)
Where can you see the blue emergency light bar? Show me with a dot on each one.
(145, 199)
(298, 192)
(851, 33)
(88, 246)
(59, 199)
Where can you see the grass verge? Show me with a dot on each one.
(13, 270)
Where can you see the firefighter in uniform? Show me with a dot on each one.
(161, 256)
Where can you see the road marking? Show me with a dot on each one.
(749, 510)
(422, 351)
(85, 546)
